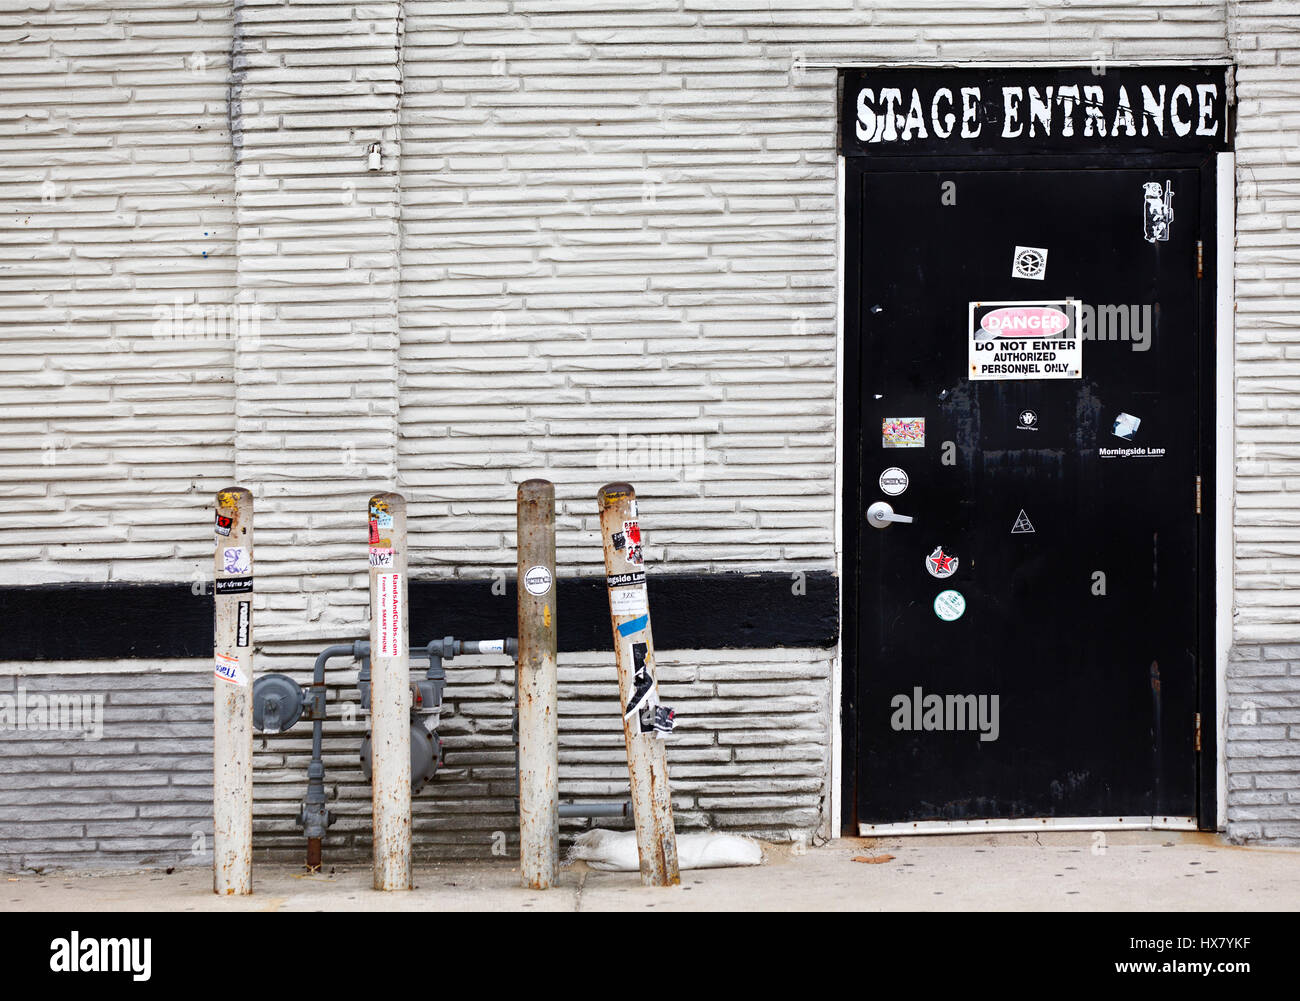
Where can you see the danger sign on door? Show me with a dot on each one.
(1025, 340)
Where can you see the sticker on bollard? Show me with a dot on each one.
(537, 581)
(645, 721)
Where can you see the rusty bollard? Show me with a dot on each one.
(644, 719)
(539, 763)
(232, 696)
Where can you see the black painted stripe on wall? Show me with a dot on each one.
(689, 611)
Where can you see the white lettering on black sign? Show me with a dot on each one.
(953, 111)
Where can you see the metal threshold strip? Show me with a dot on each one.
(1021, 824)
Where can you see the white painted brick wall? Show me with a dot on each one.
(116, 204)
(317, 250)
(589, 221)
(1268, 321)
(624, 221)
(1264, 676)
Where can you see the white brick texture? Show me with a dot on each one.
(117, 183)
(592, 220)
(1264, 676)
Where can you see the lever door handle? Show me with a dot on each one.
(881, 514)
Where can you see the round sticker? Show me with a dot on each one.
(537, 580)
(893, 481)
(949, 605)
(941, 564)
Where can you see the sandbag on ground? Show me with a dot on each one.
(615, 851)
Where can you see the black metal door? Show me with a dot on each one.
(1046, 590)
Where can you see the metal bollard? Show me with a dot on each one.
(539, 763)
(232, 696)
(390, 694)
(647, 763)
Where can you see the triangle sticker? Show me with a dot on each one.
(1023, 525)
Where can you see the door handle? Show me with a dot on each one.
(880, 514)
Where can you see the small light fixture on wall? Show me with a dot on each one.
(374, 161)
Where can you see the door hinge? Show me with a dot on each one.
(1198, 494)
(1198, 732)
(1200, 260)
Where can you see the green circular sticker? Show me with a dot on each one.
(949, 605)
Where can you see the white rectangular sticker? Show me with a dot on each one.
(235, 560)
(227, 669)
(388, 602)
(627, 600)
(1029, 262)
(1025, 340)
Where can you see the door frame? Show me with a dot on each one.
(1215, 435)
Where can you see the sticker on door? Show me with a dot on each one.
(902, 432)
(1029, 262)
(949, 605)
(1025, 340)
(893, 481)
(940, 564)
(1126, 426)
(1157, 211)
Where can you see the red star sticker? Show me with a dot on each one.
(941, 562)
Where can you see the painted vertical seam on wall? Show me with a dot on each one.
(399, 62)
(235, 89)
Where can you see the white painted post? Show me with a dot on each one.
(232, 696)
(390, 694)
(629, 609)
(539, 761)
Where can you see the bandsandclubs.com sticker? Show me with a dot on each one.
(388, 606)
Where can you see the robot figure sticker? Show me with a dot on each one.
(1157, 211)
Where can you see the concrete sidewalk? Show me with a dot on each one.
(1136, 871)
